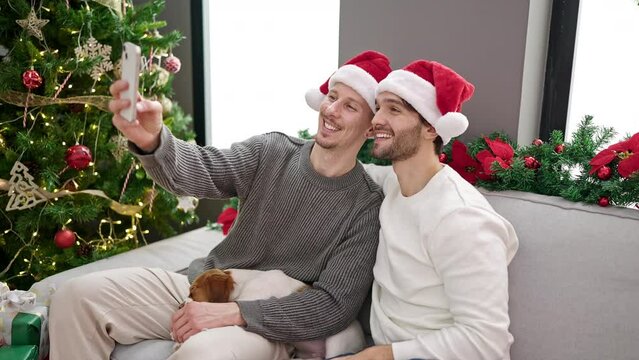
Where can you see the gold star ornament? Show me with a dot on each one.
(33, 25)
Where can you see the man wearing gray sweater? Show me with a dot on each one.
(308, 209)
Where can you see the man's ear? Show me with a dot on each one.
(429, 132)
(220, 286)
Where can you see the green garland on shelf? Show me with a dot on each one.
(558, 168)
(553, 168)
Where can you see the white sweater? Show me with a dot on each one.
(441, 278)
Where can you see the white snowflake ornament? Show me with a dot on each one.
(187, 203)
(93, 49)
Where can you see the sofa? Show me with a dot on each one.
(574, 283)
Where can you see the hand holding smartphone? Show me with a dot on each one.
(131, 55)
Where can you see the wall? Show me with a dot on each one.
(485, 41)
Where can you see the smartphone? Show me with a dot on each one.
(131, 63)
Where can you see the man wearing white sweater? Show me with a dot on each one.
(441, 278)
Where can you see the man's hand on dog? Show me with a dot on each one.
(195, 316)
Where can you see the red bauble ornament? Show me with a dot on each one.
(443, 158)
(559, 148)
(64, 238)
(78, 157)
(172, 64)
(604, 173)
(604, 201)
(531, 163)
(31, 79)
(537, 142)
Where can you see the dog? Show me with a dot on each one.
(216, 285)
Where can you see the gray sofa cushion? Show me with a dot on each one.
(574, 288)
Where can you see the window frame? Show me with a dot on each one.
(559, 63)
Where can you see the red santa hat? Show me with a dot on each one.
(362, 73)
(435, 91)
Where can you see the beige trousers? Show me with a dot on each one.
(89, 314)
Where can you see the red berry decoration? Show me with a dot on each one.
(443, 158)
(604, 173)
(604, 201)
(64, 238)
(531, 163)
(537, 142)
(559, 148)
(78, 157)
(31, 79)
(172, 64)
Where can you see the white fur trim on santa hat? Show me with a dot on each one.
(422, 96)
(450, 125)
(415, 90)
(314, 98)
(358, 79)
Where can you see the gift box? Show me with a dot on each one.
(22, 323)
(19, 352)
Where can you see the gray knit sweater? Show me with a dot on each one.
(320, 230)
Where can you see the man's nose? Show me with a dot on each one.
(333, 108)
(378, 119)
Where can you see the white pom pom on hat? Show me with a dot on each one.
(362, 73)
(435, 91)
(314, 98)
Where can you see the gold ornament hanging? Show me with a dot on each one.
(23, 192)
(115, 5)
(33, 25)
(121, 146)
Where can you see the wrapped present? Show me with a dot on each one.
(19, 352)
(22, 322)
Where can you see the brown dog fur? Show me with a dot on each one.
(213, 285)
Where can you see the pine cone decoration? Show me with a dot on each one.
(84, 250)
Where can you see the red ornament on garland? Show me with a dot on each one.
(559, 148)
(64, 238)
(604, 173)
(531, 163)
(78, 157)
(172, 64)
(31, 79)
(604, 201)
(538, 142)
(443, 158)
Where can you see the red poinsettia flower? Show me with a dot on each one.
(628, 153)
(463, 163)
(226, 219)
(500, 151)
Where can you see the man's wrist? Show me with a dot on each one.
(239, 319)
(150, 148)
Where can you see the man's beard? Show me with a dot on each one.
(325, 143)
(404, 145)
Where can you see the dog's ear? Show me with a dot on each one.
(219, 286)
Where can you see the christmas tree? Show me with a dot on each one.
(70, 192)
